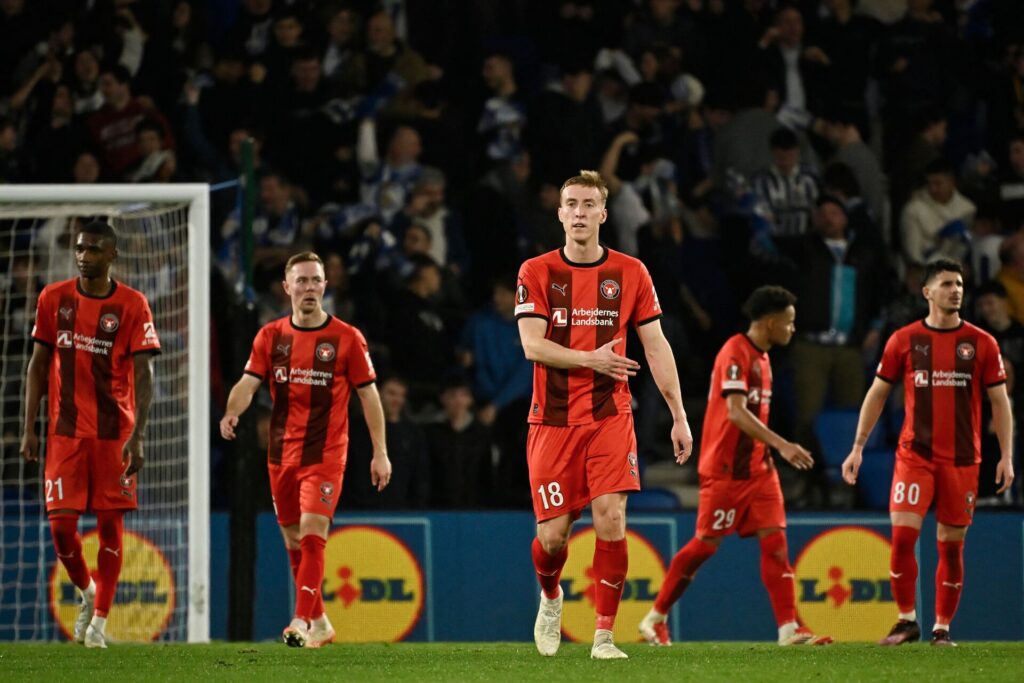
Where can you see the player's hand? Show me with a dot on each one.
(796, 455)
(682, 440)
(380, 471)
(30, 446)
(1004, 474)
(131, 455)
(852, 465)
(227, 426)
(605, 361)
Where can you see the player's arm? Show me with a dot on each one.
(373, 412)
(131, 452)
(239, 401)
(35, 384)
(870, 411)
(1002, 420)
(663, 368)
(539, 349)
(740, 415)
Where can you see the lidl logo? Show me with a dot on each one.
(646, 572)
(144, 601)
(842, 584)
(373, 585)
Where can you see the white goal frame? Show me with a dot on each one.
(197, 196)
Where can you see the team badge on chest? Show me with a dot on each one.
(325, 352)
(110, 322)
(610, 289)
(965, 350)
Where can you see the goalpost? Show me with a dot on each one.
(164, 251)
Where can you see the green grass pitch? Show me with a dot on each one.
(494, 662)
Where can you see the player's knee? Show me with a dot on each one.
(945, 532)
(553, 540)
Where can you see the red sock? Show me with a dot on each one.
(777, 576)
(903, 567)
(611, 561)
(949, 578)
(64, 529)
(310, 577)
(548, 567)
(681, 572)
(110, 525)
(295, 559)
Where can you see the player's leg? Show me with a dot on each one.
(284, 491)
(766, 518)
(909, 498)
(956, 492)
(112, 495)
(558, 488)
(715, 495)
(66, 487)
(319, 490)
(611, 472)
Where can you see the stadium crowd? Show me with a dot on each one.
(832, 146)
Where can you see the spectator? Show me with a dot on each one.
(993, 309)
(157, 163)
(288, 32)
(986, 243)
(789, 188)
(86, 169)
(11, 166)
(387, 57)
(566, 125)
(85, 83)
(419, 340)
(428, 209)
(503, 382)
(795, 72)
(54, 136)
(407, 449)
(840, 283)
(342, 34)
(387, 183)
(936, 222)
(112, 128)
(849, 41)
(251, 33)
(503, 118)
(925, 146)
(1011, 274)
(460, 452)
(840, 182)
(840, 129)
(1011, 186)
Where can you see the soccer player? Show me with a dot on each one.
(95, 338)
(945, 364)
(573, 307)
(311, 361)
(739, 487)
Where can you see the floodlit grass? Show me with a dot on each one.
(493, 662)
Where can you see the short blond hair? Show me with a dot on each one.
(587, 179)
(303, 257)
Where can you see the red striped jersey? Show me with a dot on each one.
(92, 373)
(725, 451)
(943, 373)
(586, 306)
(311, 371)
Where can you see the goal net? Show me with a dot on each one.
(163, 245)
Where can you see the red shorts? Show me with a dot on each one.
(917, 481)
(313, 488)
(741, 505)
(570, 466)
(87, 474)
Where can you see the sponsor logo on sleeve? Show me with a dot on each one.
(149, 337)
(524, 308)
(522, 294)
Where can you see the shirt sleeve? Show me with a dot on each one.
(647, 308)
(143, 334)
(531, 298)
(44, 330)
(993, 371)
(733, 379)
(258, 364)
(360, 365)
(893, 364)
